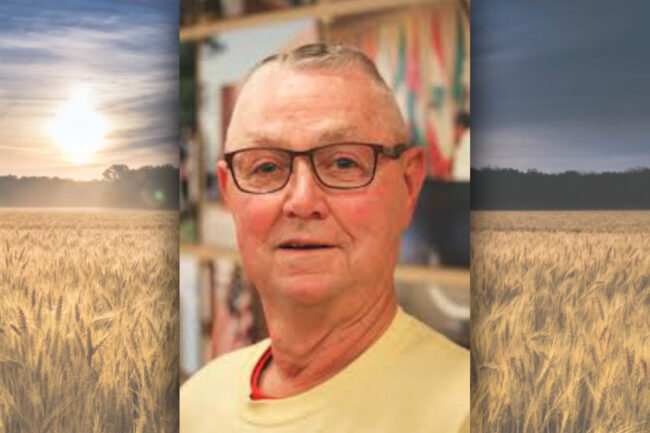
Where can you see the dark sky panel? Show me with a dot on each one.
(561, 85)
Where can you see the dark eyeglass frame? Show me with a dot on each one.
(394, 152)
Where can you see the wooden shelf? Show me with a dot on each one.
(443, 275)
(409, 274)
(325, 11)
(206, 252)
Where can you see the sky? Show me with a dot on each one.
(116, 59)
(560, 85)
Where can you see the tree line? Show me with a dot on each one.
(509, 189)
(148, 187)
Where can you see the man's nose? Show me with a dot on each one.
(305, 197)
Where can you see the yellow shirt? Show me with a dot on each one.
(410, 380)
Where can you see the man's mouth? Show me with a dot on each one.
(300, 246)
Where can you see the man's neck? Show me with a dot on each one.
(308, 348)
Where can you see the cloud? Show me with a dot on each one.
(554, 149)
(124, 51)
(560, 83)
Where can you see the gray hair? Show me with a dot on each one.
(328, 56)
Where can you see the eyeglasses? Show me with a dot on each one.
(263, 170)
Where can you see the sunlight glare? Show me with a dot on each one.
(78, 128)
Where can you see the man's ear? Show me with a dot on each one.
(222, 176)
(414, 172)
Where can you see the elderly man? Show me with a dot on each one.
(321, 185)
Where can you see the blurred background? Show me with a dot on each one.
(421, 48)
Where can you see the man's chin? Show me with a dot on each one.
(306, 290)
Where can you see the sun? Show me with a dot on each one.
(78, 128)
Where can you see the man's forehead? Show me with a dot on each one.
(278, 73)
(281, 83)
(321, 106)
(332, 133)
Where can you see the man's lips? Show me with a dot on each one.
(304, 245)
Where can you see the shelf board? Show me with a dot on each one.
(444, 275)
(410, 274)
(206, 252)
(323, 11)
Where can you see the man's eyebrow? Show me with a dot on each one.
(259, 139)
(338, 134)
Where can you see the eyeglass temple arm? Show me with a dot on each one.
(395, 151)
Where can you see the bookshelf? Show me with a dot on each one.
(322, 10)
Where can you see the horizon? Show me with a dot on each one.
(487, 167)
(175, 166)
(569, 170)
(120, 187)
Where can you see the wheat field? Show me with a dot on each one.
(560, 329)
(88, 321)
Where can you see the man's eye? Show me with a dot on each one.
(265, 168)
(345, 163)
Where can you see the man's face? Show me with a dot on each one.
(357, 231)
